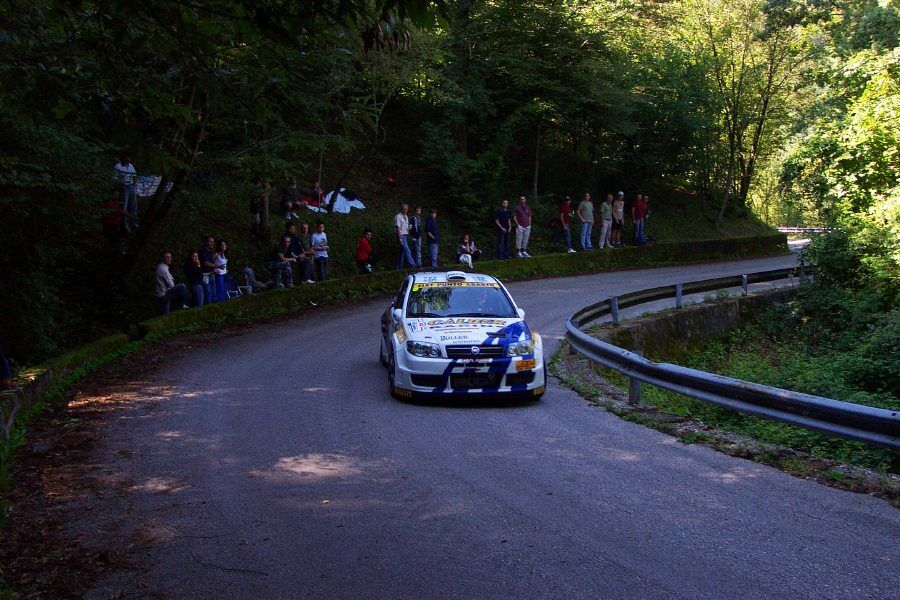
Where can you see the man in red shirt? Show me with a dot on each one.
(522, 217)
(565, 217)
(365, 255)
(638, 212)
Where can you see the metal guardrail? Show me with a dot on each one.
(854, 421)
(804, 229)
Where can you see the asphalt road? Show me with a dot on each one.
(275, 464)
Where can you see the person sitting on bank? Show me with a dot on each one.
(467, 253)
(302, 251)
(365, 255)
(166, 289)
(281, 264)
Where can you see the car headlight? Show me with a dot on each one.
(520, 348)
(423, 349)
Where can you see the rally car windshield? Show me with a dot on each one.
(458, 299)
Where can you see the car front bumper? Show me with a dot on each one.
(505, 376)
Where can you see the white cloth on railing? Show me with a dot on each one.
(147, 184)
(342, 204)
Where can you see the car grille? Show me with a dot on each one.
(468, 381)
(465, 351)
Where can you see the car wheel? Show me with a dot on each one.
(381, 353)
(392, 377)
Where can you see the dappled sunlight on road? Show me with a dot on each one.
(733, 476)
(316, 466)
(159, 485)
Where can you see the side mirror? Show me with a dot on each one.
(397, 314)
(521, 313)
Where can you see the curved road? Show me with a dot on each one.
(275, 464)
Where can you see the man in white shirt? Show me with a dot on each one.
(126, 179)
(166, 288)
(401, 229)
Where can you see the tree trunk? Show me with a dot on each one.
(537, 163)
(264, 225)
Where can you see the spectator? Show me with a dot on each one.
(302, 251)
(605, 222)
(193, 271)
(290, 200)
(433, 236)
(126, 180)
(280, 265)
(220, 260)
(638, 213)
(305, 238)
(113, 217)
(365, 255)
(522, 217)
(503, 221)
(466, 252)
(565, 217)
(415, 235)
(618, 219)
(320, 246)
(318, 193)
(206, 252)
(586, 216)
(401, 228)
(166, 289)
(5, 373)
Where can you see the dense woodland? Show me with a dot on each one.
(789, 109)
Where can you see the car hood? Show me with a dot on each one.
(466, 330)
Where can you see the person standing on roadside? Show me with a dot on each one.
(365, 255)
(638, 212)
(415, 235)
(401, 229)
(618, 222)
(522, 216)
(605, 222)
(208, 265)
(320, 247)
(126, 181)
(503, 222)
(565, 217)
(433, 237)
(586, 216)
(193, 271)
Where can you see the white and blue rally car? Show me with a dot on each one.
(456, 333)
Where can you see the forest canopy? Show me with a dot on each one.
(789, 108)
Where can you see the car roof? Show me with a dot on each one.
(447, 276)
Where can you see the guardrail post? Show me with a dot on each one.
(634, 385)
(679, 288)
(744, 284)
(614, 309)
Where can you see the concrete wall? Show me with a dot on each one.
(669, 335)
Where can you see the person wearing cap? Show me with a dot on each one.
(565, 218)
(618, 219)
(605, 222)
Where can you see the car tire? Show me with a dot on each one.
(381, 353)
(392, 377)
